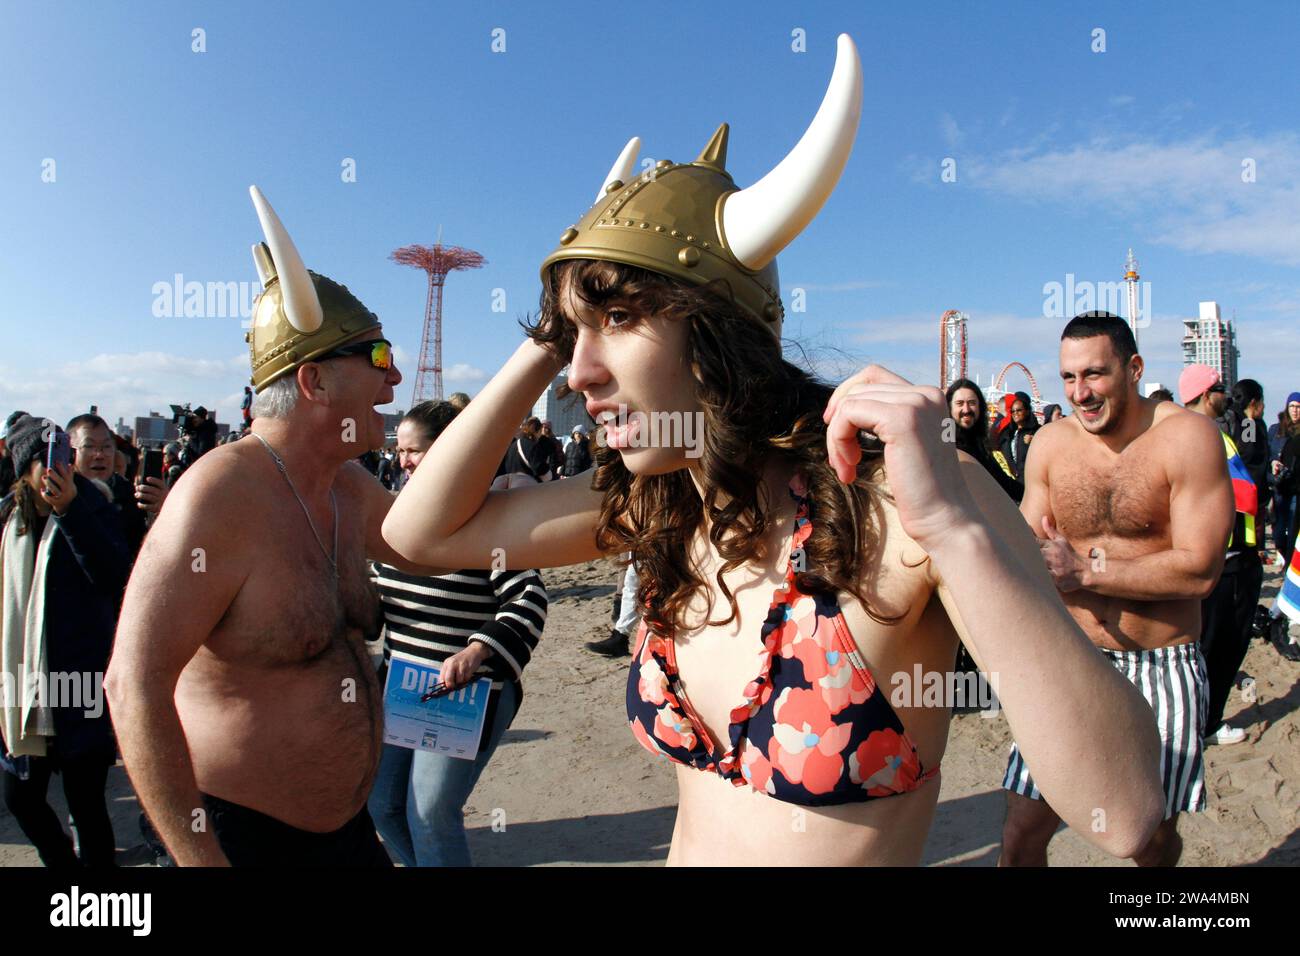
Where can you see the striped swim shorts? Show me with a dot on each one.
(1173, 681)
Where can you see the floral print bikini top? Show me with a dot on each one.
(813, 729)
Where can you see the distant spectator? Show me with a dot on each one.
(527, 460)
(1227, 612)
(63, 567)
(202, 433)
(1017, 435)
(1051, 413)
(577, 454)
(1284, 470)
(554, 451)
(1162, 395)
(7, 475)
(94, 454)
(246, 406)
(970, 415)
(172, 467)
(458, 400)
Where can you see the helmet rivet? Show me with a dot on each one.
(674, 233)
(612, 187)
(663, 164)
(659, 228)
(291, 355)
(645, 225)
(688, 257)
(690, 238)
(569, 235)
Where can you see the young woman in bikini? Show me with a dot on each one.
(793, 572)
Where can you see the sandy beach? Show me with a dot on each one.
(569, 785)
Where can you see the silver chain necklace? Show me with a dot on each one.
(334, 508)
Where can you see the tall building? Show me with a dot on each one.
(156, 430)
(1211, 340)
(563, 413)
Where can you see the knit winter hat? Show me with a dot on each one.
(27, 440)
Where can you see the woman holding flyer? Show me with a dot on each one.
(469, 626)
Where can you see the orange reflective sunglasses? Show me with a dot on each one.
(379, 350)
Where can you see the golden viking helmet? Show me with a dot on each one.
(300, 315)
(689, 221)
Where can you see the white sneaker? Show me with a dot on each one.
(1226, 735)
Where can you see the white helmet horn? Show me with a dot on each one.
(761, 220)
(301, 304)
(622, 168)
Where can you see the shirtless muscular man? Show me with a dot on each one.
(1132, 504)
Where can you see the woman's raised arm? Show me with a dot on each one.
(447, 517)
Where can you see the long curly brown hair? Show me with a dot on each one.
(757, 407)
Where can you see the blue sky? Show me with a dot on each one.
(1064, 157)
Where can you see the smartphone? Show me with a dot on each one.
(153, 464)
(60, 450)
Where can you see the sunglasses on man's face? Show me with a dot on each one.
(380, 352)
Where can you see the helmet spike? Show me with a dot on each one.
(715, 153)
(265, 267)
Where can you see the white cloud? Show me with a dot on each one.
(1191, 193)
(460, 372)
(948, 128)
(126, 385)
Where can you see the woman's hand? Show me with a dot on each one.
(920, 449)
(59, 488)
(459, 669)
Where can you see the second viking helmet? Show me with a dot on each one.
(300, 315)
(689, 221)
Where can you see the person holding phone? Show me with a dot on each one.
(64, 561)
(93, 452)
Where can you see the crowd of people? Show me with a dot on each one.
(1102, 568)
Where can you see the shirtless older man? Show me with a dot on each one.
(246, 708)
(1132, 504)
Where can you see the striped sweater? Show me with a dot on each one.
(429, 619)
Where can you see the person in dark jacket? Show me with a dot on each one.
(970, 414)
(1016, 437)
(1283, 448)
(529, 456)
(577, 455)
(1246, 414)
(64, 562)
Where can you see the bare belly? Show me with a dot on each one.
(719, 824)
(1120, 624)
(299, 742)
